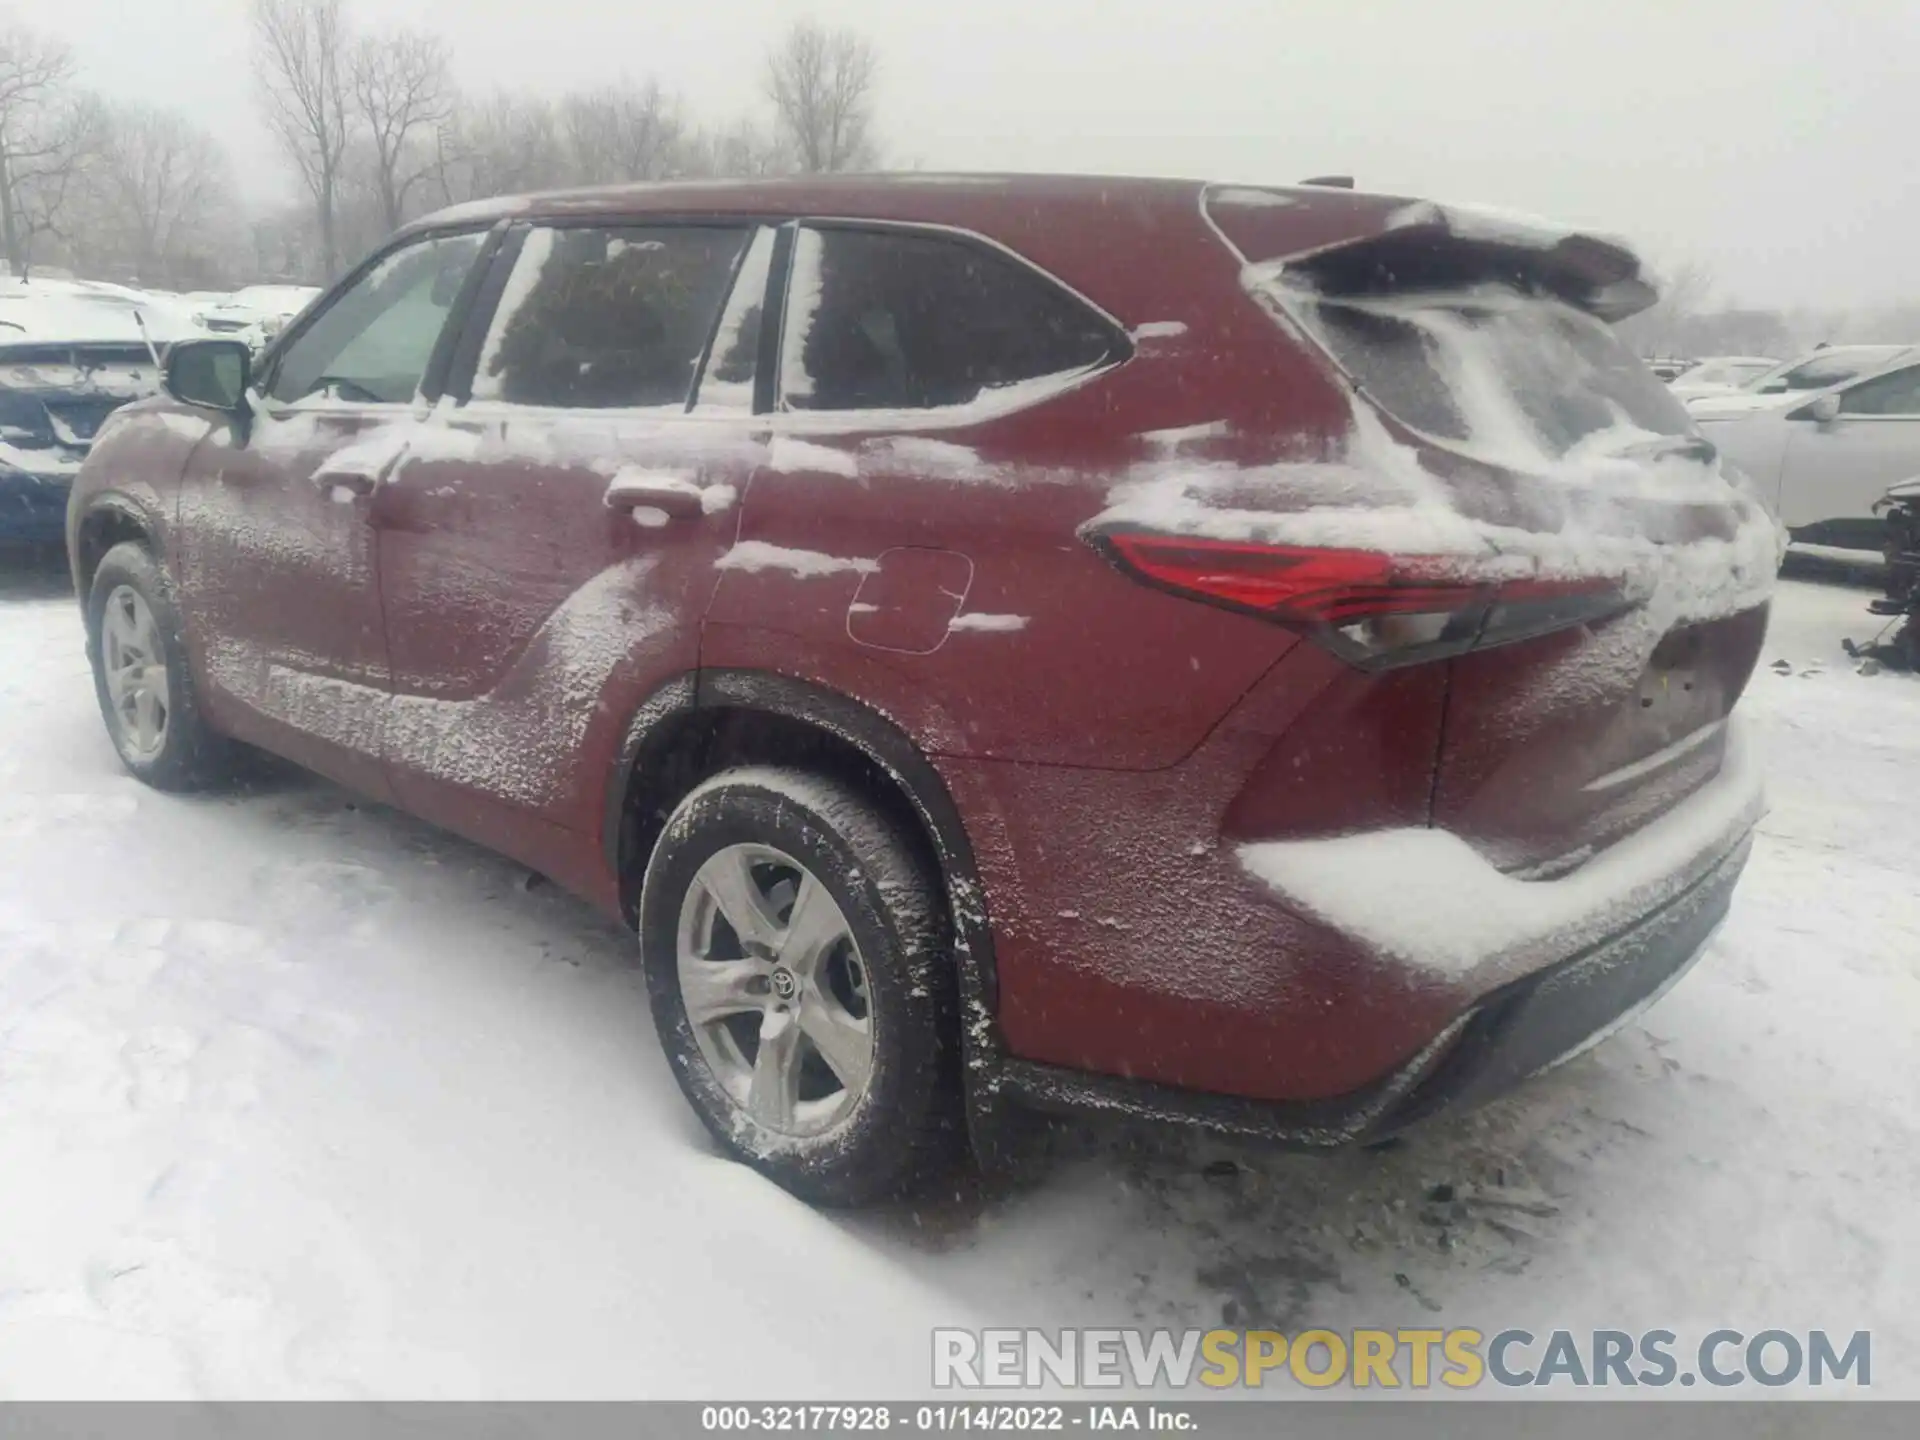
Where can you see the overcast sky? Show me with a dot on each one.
(1775, 140)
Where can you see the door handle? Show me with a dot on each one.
(672, 495)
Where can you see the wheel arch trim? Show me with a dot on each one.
(120, 505)
(890, 749)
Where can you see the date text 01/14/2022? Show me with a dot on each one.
(936, 1419)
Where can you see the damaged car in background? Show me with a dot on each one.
(71, 353)
(256, 313)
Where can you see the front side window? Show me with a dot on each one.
(372, 344)
(1895, 394)
(1814, 375)
(887, 320)
(607, 317)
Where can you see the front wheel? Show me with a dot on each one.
(140, 674)
(801, 986)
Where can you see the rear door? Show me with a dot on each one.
(1835, 470)
(548, 547)
(944, 425)
(274, 546)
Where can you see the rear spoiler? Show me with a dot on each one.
(1355, 243)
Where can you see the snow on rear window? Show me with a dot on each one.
(1517, 378)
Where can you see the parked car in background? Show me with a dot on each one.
(1253, 657)
(71, 352)
(1719, 374)
(1824, 460)
(1824, 368)
(257, 313)
(1668, 368)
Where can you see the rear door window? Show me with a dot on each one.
(896, 320)
(607, 317)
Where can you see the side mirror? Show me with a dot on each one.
(210, 373)
(1823, 411)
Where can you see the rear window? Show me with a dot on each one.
(1496, 370)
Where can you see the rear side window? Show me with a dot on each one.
(888, 320)
(607, 318)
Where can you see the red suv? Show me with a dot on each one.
(1255, 657)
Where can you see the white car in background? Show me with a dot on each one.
(257, 313)
(1720, 375)
(1822, 370)
(1822, 459)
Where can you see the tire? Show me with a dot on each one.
(819, 1127)
(158, 729)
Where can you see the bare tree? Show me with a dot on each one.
(622, 133)
(403, 97)
(47, 136)
(498, 146)
(742, 150)
(821, 85)
(1662, 327)
(301, 50)
(166, 186)
(50, 174)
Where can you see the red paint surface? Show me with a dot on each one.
(1105, 757)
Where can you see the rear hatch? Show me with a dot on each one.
(1630, 574)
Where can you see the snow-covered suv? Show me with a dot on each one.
(1249, 656)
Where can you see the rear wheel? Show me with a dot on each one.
(140, 673)
(801, 987)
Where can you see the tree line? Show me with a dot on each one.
(1693, 319)
(376, 132)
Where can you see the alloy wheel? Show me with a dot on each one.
(775, 990)
(135, 667)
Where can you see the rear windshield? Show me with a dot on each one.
(1507, 374)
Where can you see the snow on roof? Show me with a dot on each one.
(268, 299)
(86, 312)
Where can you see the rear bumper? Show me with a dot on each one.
(33, 508)
(1511, 1032)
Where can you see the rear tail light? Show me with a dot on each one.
(1374, 611)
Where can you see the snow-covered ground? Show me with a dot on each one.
(299, 1097)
